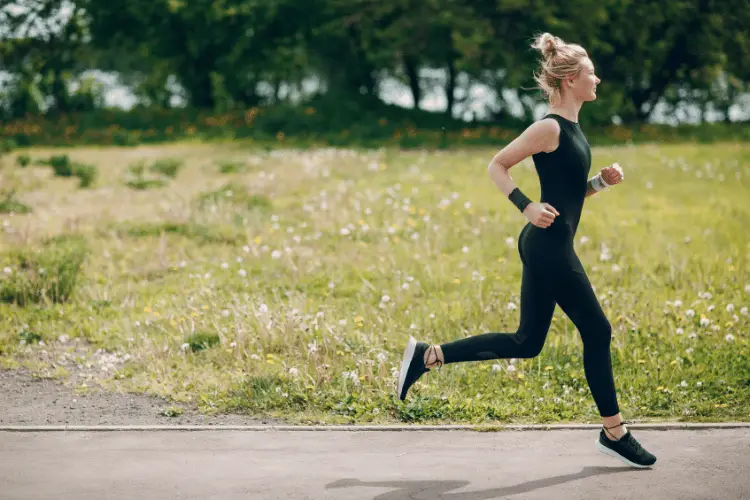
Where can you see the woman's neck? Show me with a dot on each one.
(568, 110)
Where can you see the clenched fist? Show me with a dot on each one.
(613, 174)
(541, 214)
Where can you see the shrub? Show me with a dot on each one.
(230, 167)
(9, 204)
(23, 160)
(200, 341)
(85, 173)
(63, 167)
(49, 273)
(138, 180)
(168, 167)
(236, 194)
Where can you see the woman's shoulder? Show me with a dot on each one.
(546, 131)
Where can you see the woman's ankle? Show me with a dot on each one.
(614, 427)
(433, 357)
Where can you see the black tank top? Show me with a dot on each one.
(563, 175)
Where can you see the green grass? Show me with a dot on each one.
(278, 306)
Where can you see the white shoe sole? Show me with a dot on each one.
(405, 362)
(611, 453)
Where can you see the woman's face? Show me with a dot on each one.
(584, 84)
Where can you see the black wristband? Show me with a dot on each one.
(519, 199)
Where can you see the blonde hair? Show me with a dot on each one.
(560, 60)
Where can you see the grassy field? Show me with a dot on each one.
(285, 283)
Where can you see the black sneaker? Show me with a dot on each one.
(412, 366)
(627, 449)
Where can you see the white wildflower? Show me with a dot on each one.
(729, 337)
(730, 307)
(276, 254)
(689, 313)
(511, 306)
(352, 375)
(263, 309)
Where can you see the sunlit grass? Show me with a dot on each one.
(289, 284)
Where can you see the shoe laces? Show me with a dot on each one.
(634, 444)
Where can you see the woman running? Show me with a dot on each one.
(552, 272)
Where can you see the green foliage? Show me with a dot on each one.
(86, 173)
(23, 160)
(48, 273)
(9, 204)
(62, 166)
(29, 337)
(173, 411)
(138, 179)
(168, 167)
(230, 167)
(202, 234)
(201, 341)
(235, 194)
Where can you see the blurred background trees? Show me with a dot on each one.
(686, 58)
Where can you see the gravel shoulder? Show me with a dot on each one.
(29, 400)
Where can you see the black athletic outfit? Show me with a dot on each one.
(553, 274)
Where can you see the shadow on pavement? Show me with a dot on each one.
(440, 489)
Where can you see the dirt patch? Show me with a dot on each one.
(28, 400)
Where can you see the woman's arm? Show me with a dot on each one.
(543, 135)
(539, 136)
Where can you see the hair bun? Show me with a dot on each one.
(547, 44)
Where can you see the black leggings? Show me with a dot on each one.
(552, 274)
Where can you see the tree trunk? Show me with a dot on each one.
(412, 72)
(450, 87)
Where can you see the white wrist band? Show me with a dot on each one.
(598, 183)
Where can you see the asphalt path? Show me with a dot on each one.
(374, 465)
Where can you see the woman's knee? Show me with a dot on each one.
(531, 345)
(599, 334)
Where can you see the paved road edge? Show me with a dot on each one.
(370, 428)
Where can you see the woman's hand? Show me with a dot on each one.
(613, 174)
(541, 214)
